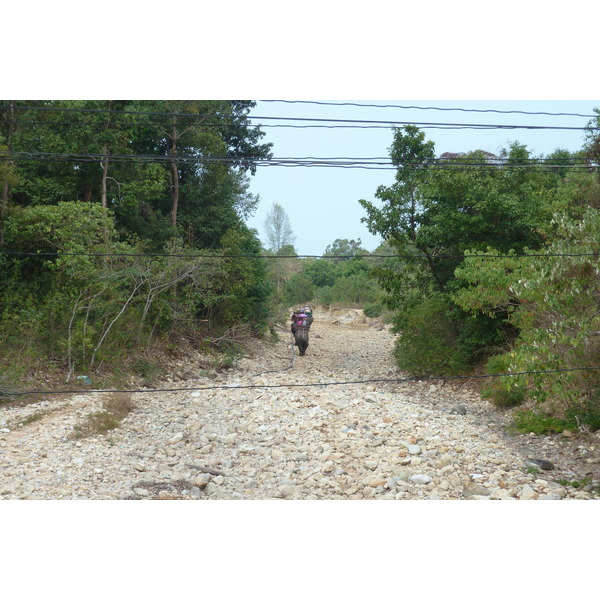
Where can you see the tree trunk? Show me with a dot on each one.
(413, 209)
(175, 173)
(175, 134)
(3, 207)
(432, 266)
(6, 185)
(104, 175)
(104, 161)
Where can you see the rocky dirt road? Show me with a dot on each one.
(301, 433)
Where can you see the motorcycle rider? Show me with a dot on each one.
(302, 317)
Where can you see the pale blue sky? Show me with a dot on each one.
(322, 203)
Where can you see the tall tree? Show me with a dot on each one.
(156, 164)
(436, 212)
(64, 147)
(398, 218)
(278, 229)
(180, 132)
(593, 140)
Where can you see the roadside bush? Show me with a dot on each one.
(324, 295)
(299, 290)
(558, 319)
(74, 309)
(551, 303)
(373, 310)
(586, 416)
(428, 340)
(503, 392)
(540, 423)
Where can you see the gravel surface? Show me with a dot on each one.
(293, 437)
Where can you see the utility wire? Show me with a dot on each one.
(339, 104)
(234, 120)
(103, 125)
(461, 159)
(473, 110)
(440, 163)
(302, 385)
(427, 123)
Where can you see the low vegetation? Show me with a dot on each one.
(114, 410)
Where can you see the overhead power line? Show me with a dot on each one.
(413, 107)
(232, 119)
(430, 124)
(312, 102)
(383, 125)
(303, 385)
(385, 163)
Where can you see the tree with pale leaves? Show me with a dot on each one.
(278, 229)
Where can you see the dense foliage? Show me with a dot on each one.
(112, 217)
(497, 263)
(343, 277)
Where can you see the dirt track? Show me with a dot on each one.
(283, 426)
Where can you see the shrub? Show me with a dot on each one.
(586, 416)
(428, 341)
(71, 309)
(149, 370)
(503, 392)
(373, 310)
(502, 395)
(540, 423)
(299, 290)
(551, 304)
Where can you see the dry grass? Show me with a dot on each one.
(36, 416)
(115, 409)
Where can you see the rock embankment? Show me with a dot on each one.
(283, 426)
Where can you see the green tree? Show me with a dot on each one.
(283, 268)
(486, 205)
(344, 248)
(81, 135)
(398, 218)
(552, 302)
(7, 167)
(157, 164)
(321, 272)
(438, 211)
(592, 147)
(87, 177)
(299, 290)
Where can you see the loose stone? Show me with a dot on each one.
(527, 493)
(394, 441)
(420, 478)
